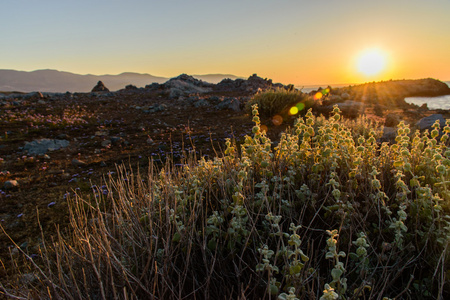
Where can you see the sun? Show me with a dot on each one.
(372, 62)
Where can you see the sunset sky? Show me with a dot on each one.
(299, 42)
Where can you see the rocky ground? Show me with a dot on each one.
(52, 145)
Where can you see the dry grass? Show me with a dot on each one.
(326, 213)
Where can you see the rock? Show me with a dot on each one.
(427, 122)
(156, 108)
(10, 184)
(106, 143)
(41, 146)
(215, 100)
(201, 103)
(78, 163)
(116, 140)
(389, 134)
(351, 109)
(131, 87)
(229, 85)
(391, 120)
(229, 103)
(175, 93)
(153, 86)
(33, 96)
(185, 85)
(100, 87)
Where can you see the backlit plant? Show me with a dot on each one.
(329, 212)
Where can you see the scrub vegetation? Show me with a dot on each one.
(328, 213)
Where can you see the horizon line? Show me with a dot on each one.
(223, 74)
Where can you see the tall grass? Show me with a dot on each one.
(272, 102)
(326, 214)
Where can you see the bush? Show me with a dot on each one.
(326, 214)
(272, 102)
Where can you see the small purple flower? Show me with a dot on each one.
(19, 215)
(51, 204)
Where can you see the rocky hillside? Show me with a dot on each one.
(393, 91)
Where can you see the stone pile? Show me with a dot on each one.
(100, 87)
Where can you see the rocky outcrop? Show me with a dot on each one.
(100, 87)
(183, 85)
(253, 84)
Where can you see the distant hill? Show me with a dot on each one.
(59, 81)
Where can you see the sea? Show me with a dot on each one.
(439, 102)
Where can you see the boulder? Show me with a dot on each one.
(10, 184)
(201, 103)
(427, 122)
(100, 87)
(41, 146)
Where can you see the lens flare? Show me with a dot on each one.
(293, 110)
(296, 109)
(318, 96)
(277, 120)
(300, 106)
(263, 128)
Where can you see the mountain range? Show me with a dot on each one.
(60, 82)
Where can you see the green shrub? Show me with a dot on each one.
(326, 214)
(272, 102)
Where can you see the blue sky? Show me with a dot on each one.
(300, 42)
